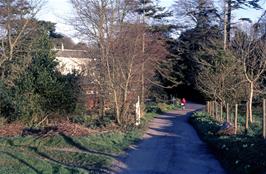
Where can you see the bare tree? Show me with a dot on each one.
(227, 22)
(118, 54)
(97, 22)
(16, 24)
(220, 78)
(152, 17)
(250, 51)
(124, 69)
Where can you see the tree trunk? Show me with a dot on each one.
(251, 101)
(117, 108)
(227, 22)
(101, 106)
(142, 97)
(102, 95)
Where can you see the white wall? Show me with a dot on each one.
(67, 65)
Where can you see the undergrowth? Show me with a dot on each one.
(241, 153)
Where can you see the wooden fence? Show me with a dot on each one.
(216, 110)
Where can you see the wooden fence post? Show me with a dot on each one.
(208, 107)
(221, 112)
(210, 112)
(213, 112)
(227, 112)
(264, 117)
(211, 108)
(236, 114)
(216, 110)
(247, 116)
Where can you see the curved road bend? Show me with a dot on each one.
(169, 146)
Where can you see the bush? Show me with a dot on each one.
(40, 90)
(82, 119)
(5, 101)
(160, 107)
(152, 108)
(166, 107)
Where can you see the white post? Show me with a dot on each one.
(62, 47)
(138, 112)
(173, 100)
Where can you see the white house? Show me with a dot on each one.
(72, 60)
(78, 60)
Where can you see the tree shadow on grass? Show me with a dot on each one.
(97, 168)
(79, 146)
(22, 161)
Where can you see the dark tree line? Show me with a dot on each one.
(204, 45)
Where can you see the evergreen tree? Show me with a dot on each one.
(41, 89)
(157, 21)
(154, 16)
(187, 48)
(229, 6)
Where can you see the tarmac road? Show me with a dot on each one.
(169, 146)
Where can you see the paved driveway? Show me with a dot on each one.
(170, 146)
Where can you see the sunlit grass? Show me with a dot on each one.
(64, 154)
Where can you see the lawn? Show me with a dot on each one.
(65, 154)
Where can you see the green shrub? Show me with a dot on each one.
(40, 90)
(152, 108)
(159, 107)
(163, 106)
(82, 119)
(5, 101)
(166, 107)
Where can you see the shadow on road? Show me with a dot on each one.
(169, 146)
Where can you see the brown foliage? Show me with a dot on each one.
(10, 130)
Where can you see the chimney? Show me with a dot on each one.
(62, 46)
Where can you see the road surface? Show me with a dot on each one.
(169, 146)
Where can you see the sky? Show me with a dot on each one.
(59, 10)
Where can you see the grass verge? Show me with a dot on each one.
(243, 154)
(64, 154)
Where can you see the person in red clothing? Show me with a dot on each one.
(183, 103)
